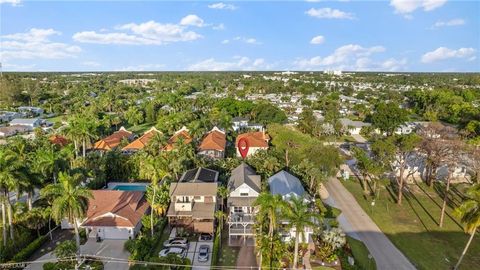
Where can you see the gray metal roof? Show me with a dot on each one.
(25, 121)
(244, 174)
(285, 184)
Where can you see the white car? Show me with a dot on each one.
(203, 253)
(177, 242)
(179, 251)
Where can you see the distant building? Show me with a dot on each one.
(213, 144)
(9, 116)
(239, 123)
(257, 140)
(141, 142)
(28, 122)
(33, 111)
(13, 130)
(353, 127)
(333, 72)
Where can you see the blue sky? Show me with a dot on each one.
(396, 35)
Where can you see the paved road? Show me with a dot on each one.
(358, 224)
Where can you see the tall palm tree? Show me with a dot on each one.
(156, 170)
(11, 171)
(270, 206)
(48, 162)
(223, 192)
(469, 214)
(69, 200)
(300, 216)
(220, 216)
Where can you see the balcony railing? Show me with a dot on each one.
(241, 231)
(240, 218)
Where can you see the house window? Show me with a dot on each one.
(244, 193)
(197, 198)
(237, 209)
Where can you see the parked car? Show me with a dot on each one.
(203, 253)
(179, 251)
(206, 237)
(177, 241)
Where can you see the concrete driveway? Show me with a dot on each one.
(110, 249)
(193, 255)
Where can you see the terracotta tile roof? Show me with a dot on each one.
(255, 139)
(116, 208)
(214, 140)
(112, 141)
(58, 140)
(143, 141)
(182, 133)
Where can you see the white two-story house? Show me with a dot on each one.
(244, 186)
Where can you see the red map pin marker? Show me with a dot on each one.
(243, 147)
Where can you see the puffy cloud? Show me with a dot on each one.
(249, 40)
(453, 22)
(237, 63)
(443, 53)
(222, 5)
(192, 19)
(351, 57)
(317, 40)
(11, 2)
(147, 33)
(329, 13)
(409, 6)
(35, 44)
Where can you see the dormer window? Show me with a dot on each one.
(243, 193)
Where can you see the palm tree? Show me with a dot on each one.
(300, 216)
(223, 192)
(69, 200)
(11, 171)
(156, 170)
(220, 216)
(270, 206)
(469, 214)
(48, 162)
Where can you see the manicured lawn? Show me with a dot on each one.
(57, 119)
(413, 227)
(140, 129)
(360, 253)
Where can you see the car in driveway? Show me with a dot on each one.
(179, 251)
(177, 242)
(205, 237)
(203, 253)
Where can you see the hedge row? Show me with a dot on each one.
(216, 246)
(28, 251)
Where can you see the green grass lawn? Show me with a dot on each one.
(413, 227)
(360, 253)
(57, 119)
(140, 129)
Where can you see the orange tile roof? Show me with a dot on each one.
(58, 140)
(112, 141)
(143, 141)
(255, 139)
(116, 208)
(182, 133)
(214, 140)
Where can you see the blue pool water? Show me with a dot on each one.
(130, 188)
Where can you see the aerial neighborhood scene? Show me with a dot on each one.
(321, 135)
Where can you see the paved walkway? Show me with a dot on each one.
(359, 225)
(359, 138)
(246, 258)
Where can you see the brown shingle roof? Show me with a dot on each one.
(116, 208)
(58, 140)
(112, 141)
(214, 140)
(143, 141)
(255, 139)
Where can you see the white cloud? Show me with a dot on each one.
(91, 64)
(222, 5)
(144, 67)
(237, 63)
(220, 26)
(35, 44)
(329, 13)
(317, 40)
(443, 53)
(147, 33)
(193, 20)
(453, 22)
(350, 57)
(225, 41)
(408, 6)
(248, 40)
(14, 3)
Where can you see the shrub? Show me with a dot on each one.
(216, 247)
(25, 253)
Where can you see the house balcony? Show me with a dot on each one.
(241, 218)
(183, 206)
(236, 229)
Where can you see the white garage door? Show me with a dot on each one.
(116, 233)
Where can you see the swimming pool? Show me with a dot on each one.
(130, 187)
